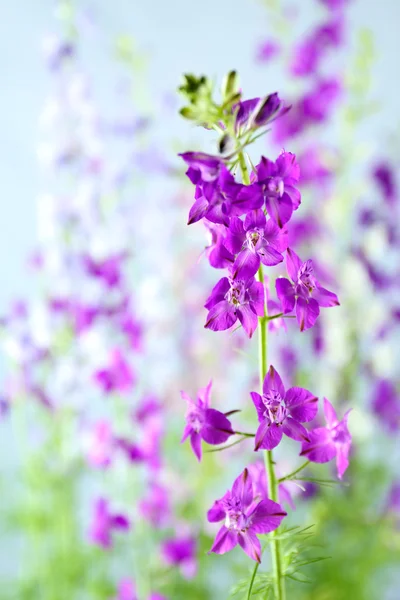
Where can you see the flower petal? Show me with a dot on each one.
(306, 312)
(295, 430)
(259, 404)
(266, 516)
(255, 219)
(302, 404)
(218, 292)
(293, 264)
(279, 209)
(330, 413)
(221, 316)
(242, 488)
(217, 511)
(286, 294)
(246, 264)
(195, 442)
(225, 541)
(268, 436)
(342, 458)
(325, 297)
(273, 382)
(320, 448)
(248, 319)
(216, 428)
(250, 544)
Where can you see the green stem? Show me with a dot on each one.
(252, 580)
(293, 473)
(276, 555)
(243, 168)
(276, 551)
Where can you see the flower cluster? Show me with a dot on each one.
(249, 218)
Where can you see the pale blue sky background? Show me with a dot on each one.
(210, 36)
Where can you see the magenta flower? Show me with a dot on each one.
(154, 507)
(181, 552)
(104, 522)
(127, 591)
(218, 255)
(244, 516)
(282, 412)
(277, 182)
(101, 444)
(218, 195)
(386, 404)
(308, 54)
(326, 443)
(305, 293)
(109, 269)
(232, 299)
(204, 423)
(260, 485)
(385, 179)
(257, 112)
(256, 240)
(267, 50)
(118, 376)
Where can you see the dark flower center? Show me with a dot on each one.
(253, 237)
(275, 405)
(235, 519)
(195, 419)
(306, 280)
(237, 292)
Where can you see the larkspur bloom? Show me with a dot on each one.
(386, 404)
(305, 293)
(244, 517)
(277, 183)
(286, 489)
(217, 253)
(181, 551)
(332, 441)
(104, 522)
(101, 444)
(267, 50)
(218, 196)
(118, 376)
(385, 179)
(155, 507)
(232, 299)
(255, 240)
(282, 412)
(204, 423)
(310, 51)
(257, 112)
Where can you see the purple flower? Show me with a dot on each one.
(104, 522)
(101, 444)
(326, 443)
(386, 404)
(109, 269)
(203, 422)
(202, 167)
(305, 293)
(155, 506)
(181, 552)
(277, 183)
(245, 516)
(257, 112)
(308, 54)
(384, 177)
(267, 50)
(256, 240)
(126, 590)
(282, 412)
(232, 299)
(260, 485)
(118, 376)
(218, 255)
(318, 103)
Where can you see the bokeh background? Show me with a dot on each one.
(88, 170)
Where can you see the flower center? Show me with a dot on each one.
(275, 405)
(340, 434)
(276, 186)
(252, 238)
(236, 294)
(195, 420)
(235, 517)
(306, 279)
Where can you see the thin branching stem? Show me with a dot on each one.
(293, 473)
